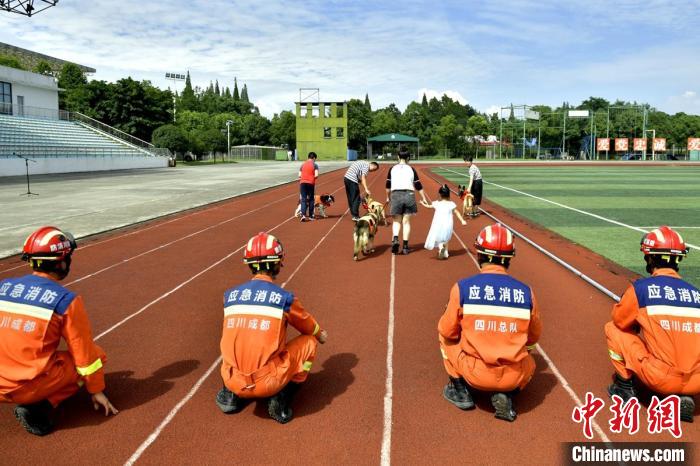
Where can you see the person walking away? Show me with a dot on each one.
(488, 329)
(441, 229)
(258, 361)
(355, 176)
(654, 335)
(307, 182)
(401, 185)
(475, 186)
(35, 313)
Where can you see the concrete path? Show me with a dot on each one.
(89, 203)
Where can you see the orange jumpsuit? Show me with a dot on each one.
(490, 323)
(35, 312)
(257, 359)
(655, 334)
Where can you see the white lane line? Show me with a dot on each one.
(165, 295)
(389, 394)
(564, 206)
(123, 261)
(171, 415)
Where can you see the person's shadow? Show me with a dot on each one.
(531, 396)
(321, 387)
(124, 392)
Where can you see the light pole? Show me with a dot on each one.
(653, 137)
(228, 138)
(175, 78)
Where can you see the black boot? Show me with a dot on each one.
(457, 393)
(35, 418)
(395, 245)
(279, 406)
(687, 408)
(503, 404)
(228, 402)
(622, 388)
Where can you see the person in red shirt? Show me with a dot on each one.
(654, 335)
(35, 313)
(488, 329)
(307, 183)
(258, 361)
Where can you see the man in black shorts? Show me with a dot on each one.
(475, 186)
(401, 185)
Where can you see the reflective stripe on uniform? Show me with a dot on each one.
(91, 369)
(614, 356)
(444, 355)
(499, 311)
(307, 365)
(26, 310)
(316, 329)
(530, 347)
(677, 311)
(248, 309)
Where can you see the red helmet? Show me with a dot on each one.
(495, 240)
(263, 247)
(48, 243)
(663, 240)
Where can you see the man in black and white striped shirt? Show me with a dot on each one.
(356, 175)
(475, 186)
(401, 186)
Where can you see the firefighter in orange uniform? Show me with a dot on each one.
(35, 312)
(655, 330)
(489, 326)
(258, 361)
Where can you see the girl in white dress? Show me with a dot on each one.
(441, 228)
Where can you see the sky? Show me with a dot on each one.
(485, 53)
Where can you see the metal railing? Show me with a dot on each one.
(32, 112)
(96, 126)
(7, 151)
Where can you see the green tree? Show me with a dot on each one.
(385, 121)
(11, 62)
(450, 134)
(359, 125)
(477, 126)
(236, 95)
(71, 77)
(188, 99)
(424, 101)
(43, 67)
(367, 104)
(283, 129)
(256, 129)
(213, 140)
(244, 93)
(172, 137)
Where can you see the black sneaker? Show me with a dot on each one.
(228, 402)
(457, 393)
(355, 219)
(279, 406)
(395, 247)
(503, 404)
(687, 408)
(35, 418)
(405, 250)
(622, 388)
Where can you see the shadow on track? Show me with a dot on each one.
(124, 391)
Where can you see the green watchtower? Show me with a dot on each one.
(322, 127)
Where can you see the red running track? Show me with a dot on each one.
(154, 294)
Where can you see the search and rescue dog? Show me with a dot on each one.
(467, 200)
(377, 207)
(321, 202)
(363, 234)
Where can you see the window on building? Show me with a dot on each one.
(314, 110)
(326, 132)
(327, 111)
(339, 112)
(5, 98)
(339, 132)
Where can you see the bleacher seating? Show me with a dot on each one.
(38, 137)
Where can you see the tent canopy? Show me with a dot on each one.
(392, 137)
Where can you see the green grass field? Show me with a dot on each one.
(642, 197)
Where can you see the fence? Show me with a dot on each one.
(63, 151)
(254, 152)
(33, 112)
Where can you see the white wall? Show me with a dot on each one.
(38, 90)
(15, 166)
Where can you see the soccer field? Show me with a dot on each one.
(604, 208)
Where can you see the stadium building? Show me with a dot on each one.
(33, 127)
